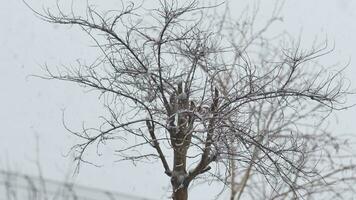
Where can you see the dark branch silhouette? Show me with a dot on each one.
(212, 91)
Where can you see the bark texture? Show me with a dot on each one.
(181, 194)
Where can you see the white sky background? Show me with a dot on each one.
(30, 106)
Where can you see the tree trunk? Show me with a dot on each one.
(180, 194)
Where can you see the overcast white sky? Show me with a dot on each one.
(30, 106)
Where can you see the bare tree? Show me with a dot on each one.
(214, 92)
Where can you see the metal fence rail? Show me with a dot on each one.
(15, 186)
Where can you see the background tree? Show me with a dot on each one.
(212, 92)
(301, 126)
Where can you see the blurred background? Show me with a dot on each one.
(31, 109)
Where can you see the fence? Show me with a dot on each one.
(15, 186)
